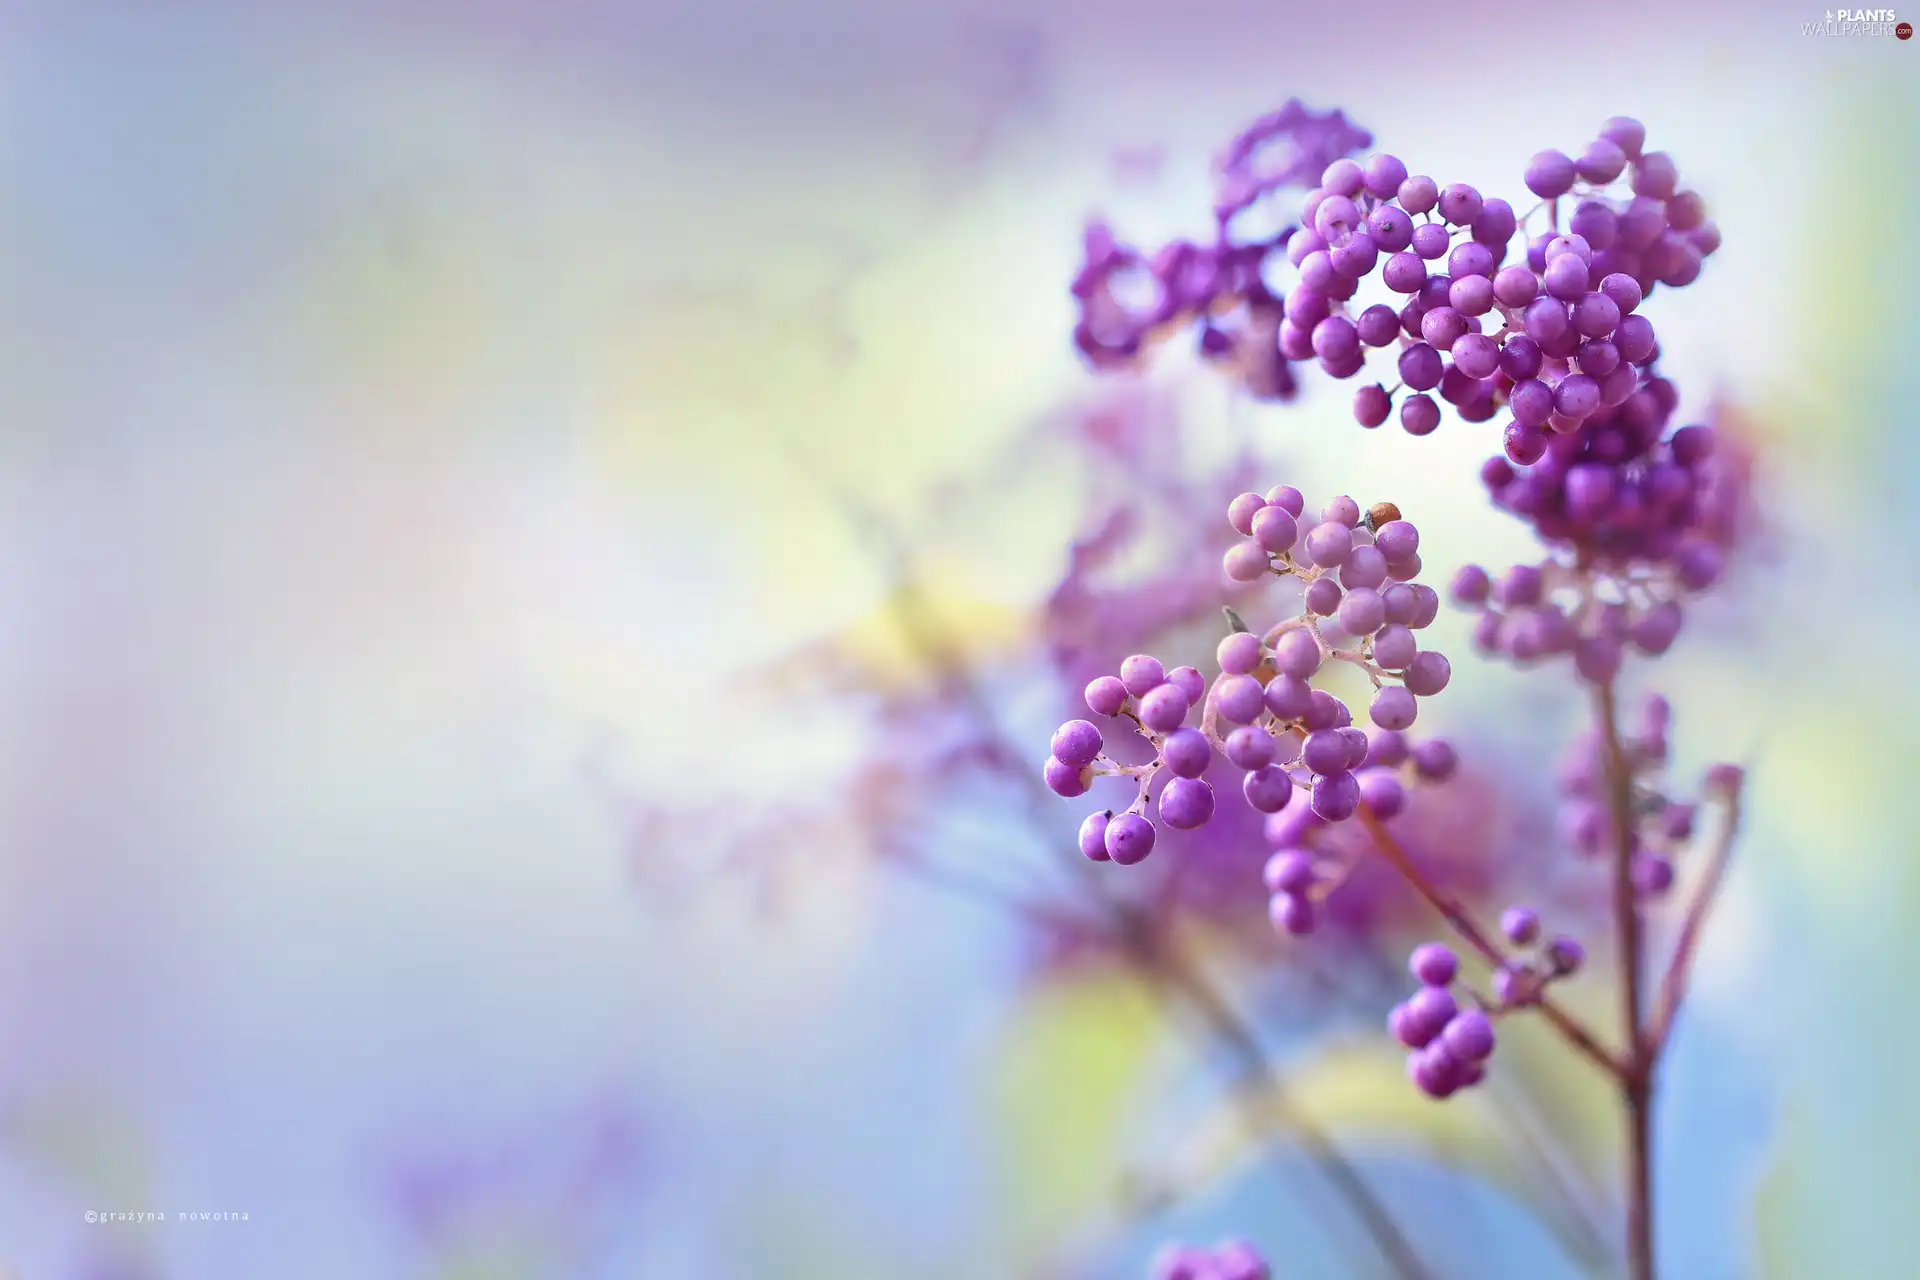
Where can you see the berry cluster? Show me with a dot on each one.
(1635, 522)
(1302, 870)
(1568, 343)
(1229, 1260)
(1129, 298)
(1519, 982)
(1359, 605)
(1448, 1046)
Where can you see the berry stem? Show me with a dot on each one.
(1260, 1084)
(1454, 914)
(1673, 984)
(1636, 1084)
(1319, 1146)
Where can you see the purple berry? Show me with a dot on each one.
(1393, 708)
(1241, 510)
(1250, 747)
(1105, 696)
(1093, 836)
(1065, 779)
(1434, 964)
(1140, 673)
(1129, 839)
(1164, 708)
(1187, 752)
(1267, 789)
(1469, 1036)
(1335, 796)
(1381, 792)
(1239, 653)
(1291, 913)
(1186, 803)
(1239, 699)
(1521, 925)
(1076, 743)
(1290, 871)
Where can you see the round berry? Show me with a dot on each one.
(1275, 530)
(1249, 747)
(1566, 955)
(1105, 696)
(1335, 796)
(1329, 544)
(1129, 839)
(1549, 174)
(1296, 653)
(1381, 792)
(1238, 698)
(1460, 204)
(1372, 406)
(1239, 653)
(1065, 779)
(1288, 697)
(1383, 175)
(1289, 871)
(1435, 760)
(1429, 1010)
(1076, 743)
(1292, 913)
(1267, 789)
(1419, 415)
(1187, 753)
(1427, 675)
(1393, 708)
(1164, 708)
(1186, 803)
(1093, 836)
(1419, 193)
(1363, 612)
(1469, 1036)
(1140, 673)
(1521, 925)
(1433, 964)
(1245, 562)
(1241, 510)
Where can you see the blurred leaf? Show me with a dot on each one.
(1070, 1066)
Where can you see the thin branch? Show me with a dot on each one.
(1673, 983)
(1636, 1083)
(1456, 915)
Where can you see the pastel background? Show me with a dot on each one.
(414, 420)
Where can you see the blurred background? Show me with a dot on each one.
(529, 531)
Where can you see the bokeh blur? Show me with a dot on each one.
(461, 470)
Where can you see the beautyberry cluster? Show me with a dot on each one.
(1567, 342)
(1635, 522)
(1229, 1260)
(1129, 298)
(1303, 870)
(1449, 1046)
(1359, 606)
(1540, 961)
